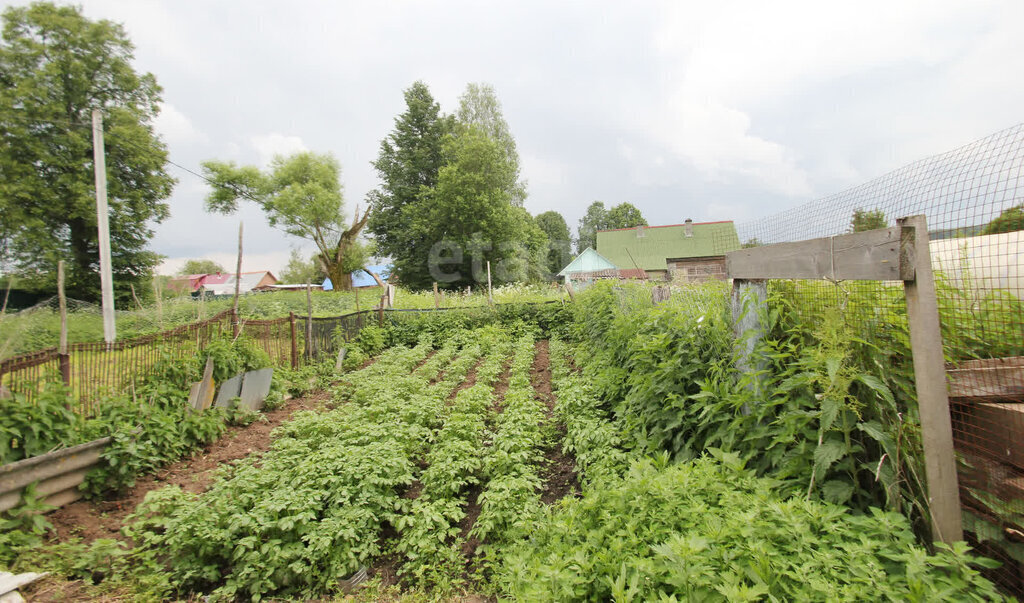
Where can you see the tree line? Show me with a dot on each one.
(450, 200)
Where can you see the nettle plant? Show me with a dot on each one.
(709, 530)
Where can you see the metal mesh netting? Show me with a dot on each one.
(973, 199)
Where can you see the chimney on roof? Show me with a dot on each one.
(689, 227)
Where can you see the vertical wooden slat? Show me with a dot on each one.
(930, 383)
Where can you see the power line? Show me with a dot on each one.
(71, 124)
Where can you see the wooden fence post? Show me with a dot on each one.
(235, 327)
(930, 381)
(295, 343)
(490, 296)
(309, 322)
(899, 253)
(62, 348)
(572, 292)
(437, 302)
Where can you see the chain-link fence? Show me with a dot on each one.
(973, 199)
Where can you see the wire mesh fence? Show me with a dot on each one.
(973, 199)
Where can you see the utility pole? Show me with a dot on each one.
(235, 325)
(106, 276)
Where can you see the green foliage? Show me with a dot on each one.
(451, 198)
(559, 240)
(867, 219)
(480, 108)
(468, 219)
(823, 411)
(300, 194)
(596, 442)
(409, 159)
(299, 271)
(709, 530)
(56, 66)
(37, 428)
(510, 501)
(311, 511)
(38, 329)
(200, 267)
(597, 217)
(1012, 219)
(23, 527)
(624, 215)
(149, 426)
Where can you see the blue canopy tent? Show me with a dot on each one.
(362, 278)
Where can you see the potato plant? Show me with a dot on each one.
(595, 442)
(309, 512)
(427, 534)
(512, 461)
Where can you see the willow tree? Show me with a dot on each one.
(301, 195)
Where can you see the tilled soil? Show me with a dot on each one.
(90, 520)
(559, 472)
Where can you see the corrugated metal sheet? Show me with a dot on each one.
(648, 247)
(588, 261)
(58, 474)
(249, 281)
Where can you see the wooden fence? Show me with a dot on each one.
(95, 369)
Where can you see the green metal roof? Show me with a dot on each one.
(652, 245)
(588, 261)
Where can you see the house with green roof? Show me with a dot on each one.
(688, 252)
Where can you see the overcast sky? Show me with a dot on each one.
(705, 110)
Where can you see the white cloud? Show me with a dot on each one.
(269, 145)
(726, 60)
(176, 127)
(274, 261)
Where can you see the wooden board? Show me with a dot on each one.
(990, 380)
(871, 255)
(992, 430)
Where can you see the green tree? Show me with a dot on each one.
(301, 195)
(408, 162)
(479, 106)
(468, 220)
(56, 66)
(559, 243)
(864, 219)
(299, 270)
(200, 267)
(1010, 220)
(595, 219)
(624, 215)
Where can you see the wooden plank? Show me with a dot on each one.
(930, 383)
(871, 255)
(992, 430)
(990, 380)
